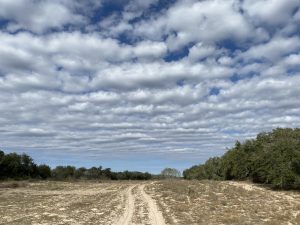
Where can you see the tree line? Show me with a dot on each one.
(271, 158)
(22, 166)
(96, 173)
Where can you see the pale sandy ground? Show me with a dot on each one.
(147, 203)
(119, 203)
(216, 203)
(140, 208)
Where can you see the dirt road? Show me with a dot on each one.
(146, 203)
(140, 208)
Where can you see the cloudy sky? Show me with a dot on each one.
(144, 84)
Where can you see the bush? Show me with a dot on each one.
(272, 158)
(44, 171)
(170, 173)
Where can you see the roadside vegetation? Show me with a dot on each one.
(21, 167)
(272, 158)
(170, 173)
(208, 195)
(205, 202)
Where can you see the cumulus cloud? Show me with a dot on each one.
(181, 81)
(198, 21)
(274, 49)
(38, 16)
(272, 12)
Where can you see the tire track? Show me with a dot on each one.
(129, 208)
(155, 216)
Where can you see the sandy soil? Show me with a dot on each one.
(129, 208)
(226, 203)
(62, 203)
(156, 217)
(147, 203)
(140, 208)
(118, 203)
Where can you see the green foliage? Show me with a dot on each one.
(272, 158)
(44, 171)
(134, 175)
(63, 172)
(17, 166)
(2, 155)
(14, 166)
(94, 173)
(80, 173)
(212, 169)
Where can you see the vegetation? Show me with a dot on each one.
(94, 173)
(170, 173)
(222, 202)
(272, 158)
(15, 166)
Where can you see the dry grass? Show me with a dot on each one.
(213, 202)
(182, 202)
(62, 203)
(13, 184)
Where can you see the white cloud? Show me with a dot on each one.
(150, 49)
(198, 52)
(273, 12)
(38, 16)
(194, 21)
(274, 49)
(90, 91)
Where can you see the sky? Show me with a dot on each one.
(145, 84)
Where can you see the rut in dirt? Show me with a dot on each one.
(137, 193)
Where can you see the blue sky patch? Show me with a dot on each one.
(119, 82)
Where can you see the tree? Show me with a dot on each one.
(12, 166)
(212, 169)
(44, 171)
(195, 172)
(272, 158)
(17, 166)
(2, 155)
(170, 173)
(80, 173)
(28, 168)
(63, 172)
